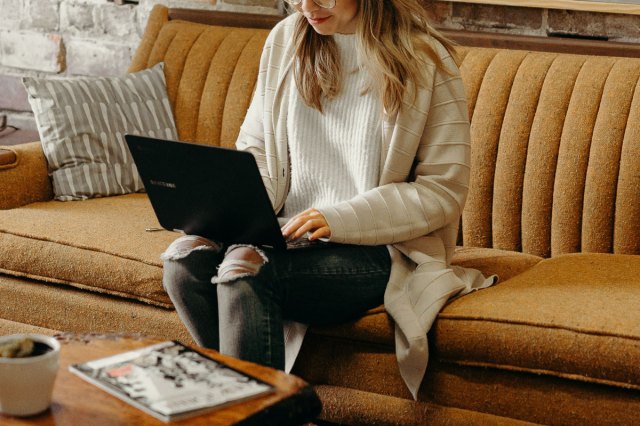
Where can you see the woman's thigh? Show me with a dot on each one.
(330, 284)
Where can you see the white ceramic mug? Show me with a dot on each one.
(26, 384)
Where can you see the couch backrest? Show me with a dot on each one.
(210, 70)
(555, 152)
(555, 137)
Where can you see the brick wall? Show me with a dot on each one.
(78, 38)
(98, 37)
(540, 22)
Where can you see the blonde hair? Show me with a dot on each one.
(392, 35)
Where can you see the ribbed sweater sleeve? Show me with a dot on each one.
(251, 136)
(435, 193)
(252, 132)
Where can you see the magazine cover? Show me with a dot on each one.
(170, 381)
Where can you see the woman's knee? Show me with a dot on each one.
(240, 261)
(187, 245)
(245, 288)
(187, 261)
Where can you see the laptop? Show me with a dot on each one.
(213, 192)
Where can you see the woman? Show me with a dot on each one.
(359, 127)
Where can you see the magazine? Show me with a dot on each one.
(170, 381)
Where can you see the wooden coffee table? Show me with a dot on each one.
(77, 402)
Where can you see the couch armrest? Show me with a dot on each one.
(24, 178)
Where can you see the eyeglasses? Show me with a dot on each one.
(325, 4)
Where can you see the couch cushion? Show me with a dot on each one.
(211, 72)
(376, 327)
(82, 123)
(575, 316)
(557, 319)
(372, 368)
(361, 354)
(349, 407)
(99, 244)
(11, 327)
(8, 158)
(503, 263)
(66, 308)
(538, 398)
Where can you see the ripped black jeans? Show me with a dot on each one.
(241, 313)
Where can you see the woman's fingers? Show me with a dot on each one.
(310, 225)
(295, 222)
(292, 225)
(299, 226)
(323, 232)
(311, 221)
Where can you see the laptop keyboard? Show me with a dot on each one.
(303, 242)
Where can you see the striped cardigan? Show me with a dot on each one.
(416, 208)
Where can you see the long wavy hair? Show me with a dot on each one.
(393, 37)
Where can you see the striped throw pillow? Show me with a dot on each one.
(82, 123)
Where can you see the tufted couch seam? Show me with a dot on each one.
(540, 371)
(79, 246)
(452, 317)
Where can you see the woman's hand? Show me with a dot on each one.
(310, 220)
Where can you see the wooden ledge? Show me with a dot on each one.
(226, 19)
(606, 6)
(543, 44)
(465, 38)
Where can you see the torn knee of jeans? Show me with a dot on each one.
(245, 265)
(184, 246)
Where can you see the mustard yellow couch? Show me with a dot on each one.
(553, 209)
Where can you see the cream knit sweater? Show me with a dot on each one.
(335, 154)
(414, 210)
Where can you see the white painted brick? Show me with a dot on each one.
(10, 14)
(147, 5)
(97, 57)
(101, 36)
(271, 7)
(77, 18)
(252, 3)
(32, 51)
(117, 21)
(143, 10)
(42, 15)
(192, 4)
(616, 27)
(87, 2)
